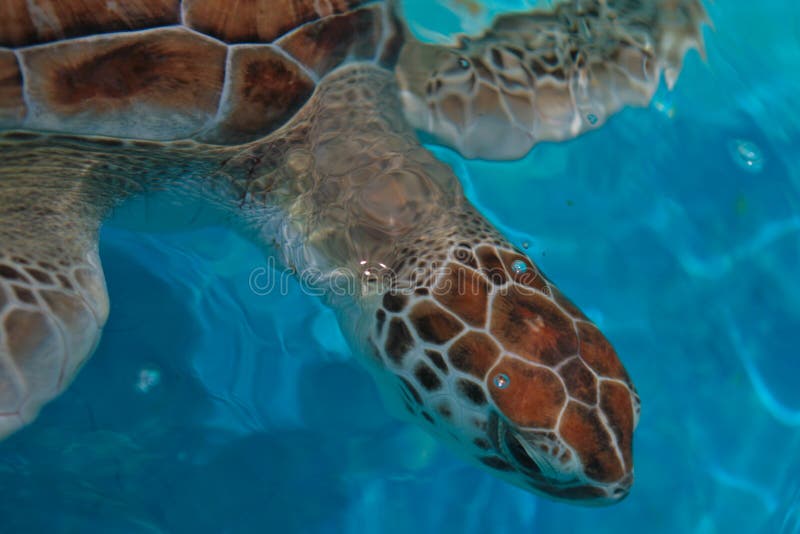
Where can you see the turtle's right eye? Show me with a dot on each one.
(463, 63)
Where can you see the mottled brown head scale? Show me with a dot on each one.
(210, 70)
(534, 390)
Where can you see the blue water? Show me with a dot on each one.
(208, 408)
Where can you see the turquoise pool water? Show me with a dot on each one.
(208, 408)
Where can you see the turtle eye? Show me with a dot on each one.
(463, 63)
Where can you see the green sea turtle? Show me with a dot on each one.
(297, 119)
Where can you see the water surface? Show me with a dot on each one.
(208, 408)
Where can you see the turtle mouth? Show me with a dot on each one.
(543, 474)
(512, 447)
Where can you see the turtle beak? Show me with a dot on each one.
(538, 463)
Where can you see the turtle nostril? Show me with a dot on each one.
(620, 489)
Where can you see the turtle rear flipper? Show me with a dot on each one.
(53, 299)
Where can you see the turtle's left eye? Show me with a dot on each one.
(463, 63)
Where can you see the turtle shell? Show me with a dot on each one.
(216, 71)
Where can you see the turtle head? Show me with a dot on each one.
(485, 352)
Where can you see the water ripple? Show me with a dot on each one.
(771, 404)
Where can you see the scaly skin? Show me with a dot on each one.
(546, 75)
(484, 353)
(462, 332)
(55, 191)
(436, 302)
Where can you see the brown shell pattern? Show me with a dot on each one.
(211, 70)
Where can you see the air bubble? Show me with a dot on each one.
(501, 381)
(592, 118)
(664, 105)
(747, 155)
(525, 245)
(518, 266)
(149, 378)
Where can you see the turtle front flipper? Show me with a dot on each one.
(53, 300)
(55, 191)
(546, 75)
